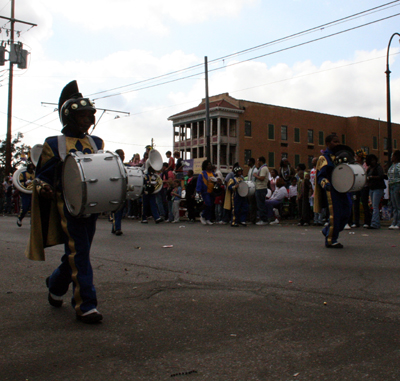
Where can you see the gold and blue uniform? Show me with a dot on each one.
(52, 224)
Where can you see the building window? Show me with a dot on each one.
(201, 130)
(343, 139)
(296, 160)
(247, 155)
(247, 128)
(284, 155)
(385, 141)
(232, 128)
(214, 126)
(310, 159)
(283, 132)
(310, 136)
(321, 138)
(194, 130)
(271, 132)
(374, 142)
(297, 135)
(271, 159)
(201, 152)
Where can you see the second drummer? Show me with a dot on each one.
(339, 204)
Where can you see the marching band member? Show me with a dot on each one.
(26, 179)
(52, 224)
(339, 204)
(149, 198)
(205, 186)
(234, 201)
(116, 217)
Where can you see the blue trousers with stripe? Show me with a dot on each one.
(339, 213)
(240, 208)
(75, 264)
(26, 200)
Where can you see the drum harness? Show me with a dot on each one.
(62, 145)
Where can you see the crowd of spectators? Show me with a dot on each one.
(283, 193)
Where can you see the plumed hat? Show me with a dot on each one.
(72, 101)
(343, 154)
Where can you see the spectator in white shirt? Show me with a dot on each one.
(276, 199)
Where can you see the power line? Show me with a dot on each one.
(250, 59)
(307, 31)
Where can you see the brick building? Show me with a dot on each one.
(241, 129)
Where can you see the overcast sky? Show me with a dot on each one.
(107, 45)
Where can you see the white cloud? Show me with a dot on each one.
(150, 15)
(345, 87)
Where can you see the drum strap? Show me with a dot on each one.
(62, 145)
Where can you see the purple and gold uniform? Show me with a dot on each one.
(205, 187)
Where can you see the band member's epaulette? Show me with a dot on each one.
(231, 181)
(321, 162)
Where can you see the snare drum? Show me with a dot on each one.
(135, 182)
(93, 183)
(246, 189)
(348, 178)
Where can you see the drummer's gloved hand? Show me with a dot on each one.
(328, 187)
(46, 191)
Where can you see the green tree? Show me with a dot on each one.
(19, 151)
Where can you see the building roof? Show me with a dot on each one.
(220, 104)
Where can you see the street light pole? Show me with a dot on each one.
(389, 117)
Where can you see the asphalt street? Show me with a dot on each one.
(223, 303)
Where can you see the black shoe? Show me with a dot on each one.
(235, 225)
(336, 245)
(112, 231)
(19, 222)
(118, 232)
(144, 221)
(371, 227)
(158, 220)
(53, 302)
(93, 318)
(243, 224)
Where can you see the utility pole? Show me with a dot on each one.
(12, 61)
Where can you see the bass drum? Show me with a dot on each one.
(246, 189)
(348, 178)
(135, 182)
(93, 183)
